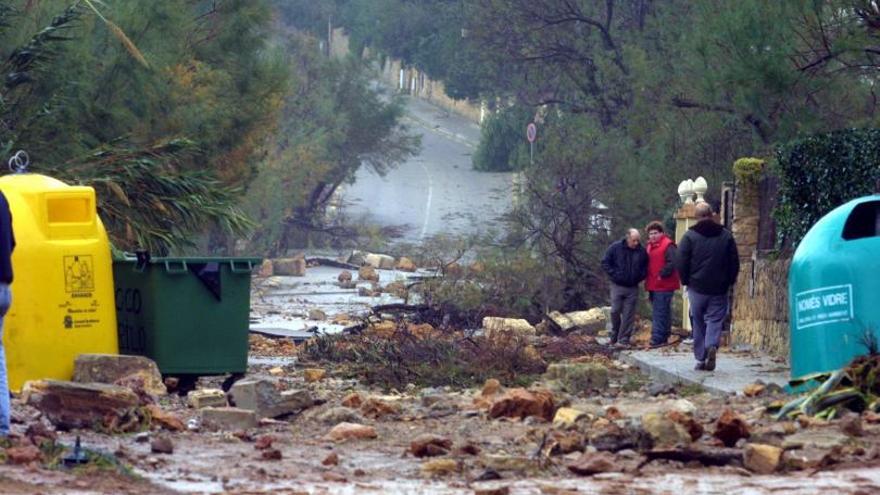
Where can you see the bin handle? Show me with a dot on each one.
(245, 266)
(175, 266)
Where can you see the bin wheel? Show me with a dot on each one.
(230, 381)
(185, 384)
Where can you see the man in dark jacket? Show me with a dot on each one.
(626, 264)
(7, 244)
(708, 264)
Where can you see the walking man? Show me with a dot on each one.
(662, 281)
(7, 244)
(626, 264)
(708, 264)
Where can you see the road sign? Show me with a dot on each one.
(531, 132)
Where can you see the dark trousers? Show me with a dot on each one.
(623, 312)
(661, 316)
(708, 313)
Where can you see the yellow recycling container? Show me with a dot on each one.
(62, 291)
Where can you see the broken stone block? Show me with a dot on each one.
(261, 396)
(519, 463)
(760, 458)
(496, 327)
(754, 389)
(730, 428)
(356, 258)
(396, 289)
(229, 418)
(591, 463)
(430, 445)
(206, 397)
(351, 431)
(807, 458)
(290, 267)
(162, 445)
(693, 428)
(589, 322)
(344, 277)
(521, 403)
(79, 405)
(110, 368)
(614, 438)
(369, 273)
(382, 261)
(579, 377)
(567, 417)
(405, 264)
(312, 375)
(821, 439)
(352, 400)
(491, 387)
(664, 431)
(376, 408)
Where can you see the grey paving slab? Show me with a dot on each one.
(734, 370)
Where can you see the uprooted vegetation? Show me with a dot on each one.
(396, 353)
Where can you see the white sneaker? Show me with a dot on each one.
(688, 341)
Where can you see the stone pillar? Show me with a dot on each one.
(746, 217)
(684, 218)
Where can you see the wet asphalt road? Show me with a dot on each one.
(436, 192)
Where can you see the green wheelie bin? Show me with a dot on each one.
(834, 289)
(189, 315)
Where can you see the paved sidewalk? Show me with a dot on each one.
(734, 371)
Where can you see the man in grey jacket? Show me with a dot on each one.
(708, 264)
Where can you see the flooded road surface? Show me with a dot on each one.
(437, 192)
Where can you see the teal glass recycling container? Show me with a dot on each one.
(834, 289)
(189, 315)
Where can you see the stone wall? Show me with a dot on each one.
(760, 310)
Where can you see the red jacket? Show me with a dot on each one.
(662, 275)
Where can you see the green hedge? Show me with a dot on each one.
(821, 172)
(503, 146)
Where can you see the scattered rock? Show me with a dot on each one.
(165, 419)
(521, 403)
(331, 476)
(754, 389)
(344, 277)
(351, 431)
(851, 424)
(730, 428)
(579, 377)
(491, 387)
(501, 490)
(614, 438)
(440, 467)
(352, 400)
(369, 273)
(405, 264)
(264, 442)
(591, 463)
(505, 326)
(162, 445)
(518, 463)
(229, 418)
(38, 433)
(23, 454)
(382, 261)
(261, 396)
(806, 458)
(429, 445)
(331, 460)
(397, 289)
(312, 375)
(80, 405)
(656, 389)
(110, 368)
(317, 315)
(567, 417)
(271, 455)
(561, 443)
(375, 408)
(336, 415)
(760, 458)
(694, 428)
(664, 431)
(291, 267)
(356, 258)
(276, 371)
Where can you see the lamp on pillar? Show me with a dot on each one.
(686, 191)
(700, 187)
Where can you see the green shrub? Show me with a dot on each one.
(503, 146)
(748, 169)
(819, 173)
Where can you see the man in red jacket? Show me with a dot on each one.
(662, 281)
